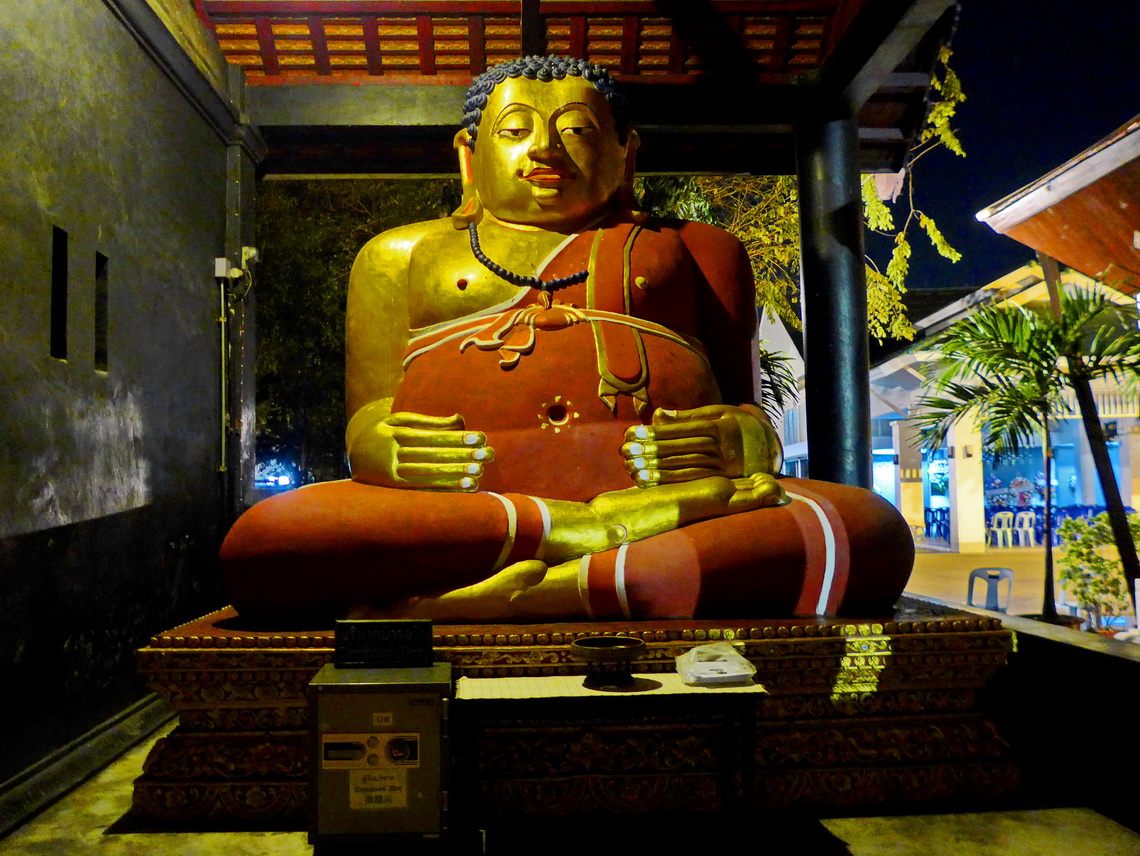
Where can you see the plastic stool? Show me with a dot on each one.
(993, 577)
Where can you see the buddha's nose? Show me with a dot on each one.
(543, 148)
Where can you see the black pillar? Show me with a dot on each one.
(532, 32)
(833, 294)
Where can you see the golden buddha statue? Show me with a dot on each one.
(539, 430)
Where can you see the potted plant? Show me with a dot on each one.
(1090, 570)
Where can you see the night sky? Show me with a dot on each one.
(1045, 79)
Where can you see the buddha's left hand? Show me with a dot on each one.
(718, 440)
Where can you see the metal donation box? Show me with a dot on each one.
(379, 753)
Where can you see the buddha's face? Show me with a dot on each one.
(547, 154)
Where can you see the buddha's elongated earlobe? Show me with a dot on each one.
(470, 210)
(625, 197)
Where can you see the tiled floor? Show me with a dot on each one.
(946, 575)
(78, 825)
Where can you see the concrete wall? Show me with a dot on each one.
(1064, 704)
(110, 513)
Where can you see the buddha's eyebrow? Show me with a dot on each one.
(514, 106)
(574, 105)
(509, 110)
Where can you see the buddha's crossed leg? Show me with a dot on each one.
(704, 547)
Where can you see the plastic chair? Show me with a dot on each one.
(1001, 529)
(993, 578)
(1064, 605)
(938, 523)
(1024, 529)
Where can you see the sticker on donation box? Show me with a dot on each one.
(369, 751)
(378, 788)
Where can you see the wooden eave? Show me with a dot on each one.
(716, 85)
(1085, 213)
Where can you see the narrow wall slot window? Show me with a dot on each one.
(100, 312)
(58, 293)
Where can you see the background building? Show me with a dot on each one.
(950, 495)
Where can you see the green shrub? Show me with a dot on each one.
(1090, 568)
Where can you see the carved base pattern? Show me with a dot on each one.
(877, 742)
(857, 712)
(595, 794)
(229, 802)
(186, 756)
(869, 785)
(550, 748)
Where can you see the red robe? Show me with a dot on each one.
(667, 312)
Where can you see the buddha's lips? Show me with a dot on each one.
(544, 175)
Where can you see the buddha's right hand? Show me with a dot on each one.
(413, 450)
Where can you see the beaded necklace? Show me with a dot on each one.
(544, 285)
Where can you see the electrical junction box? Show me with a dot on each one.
(379, 755)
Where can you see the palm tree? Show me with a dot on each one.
(1011, 367)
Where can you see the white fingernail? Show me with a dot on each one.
(480, 454)
(474, 469)
(643, 475)
(639, 463)
(636, 449)
(641, 432)
(466, 482)
(470, 439)
(669, 412)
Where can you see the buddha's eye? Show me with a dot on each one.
(576, 123)
(514, 133)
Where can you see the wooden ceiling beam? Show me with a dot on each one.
(717, 79)
(874, 46)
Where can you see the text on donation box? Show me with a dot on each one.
(377, 766)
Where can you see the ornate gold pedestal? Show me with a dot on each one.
(855, 712)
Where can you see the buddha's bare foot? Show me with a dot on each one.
(642, 513)
(756, 491)
(525, 589)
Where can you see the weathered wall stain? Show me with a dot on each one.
(95, 464)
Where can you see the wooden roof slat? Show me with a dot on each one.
(320, 45)
(782, 43)
(476, 40)
(372, 46)
(629, 44)
(268, 45)
(578, 37)
(677, 53)
(426, 38)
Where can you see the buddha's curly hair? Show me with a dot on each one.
(545, 68)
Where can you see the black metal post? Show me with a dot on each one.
(833, 296)
(532, 31)
(1049, 597)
